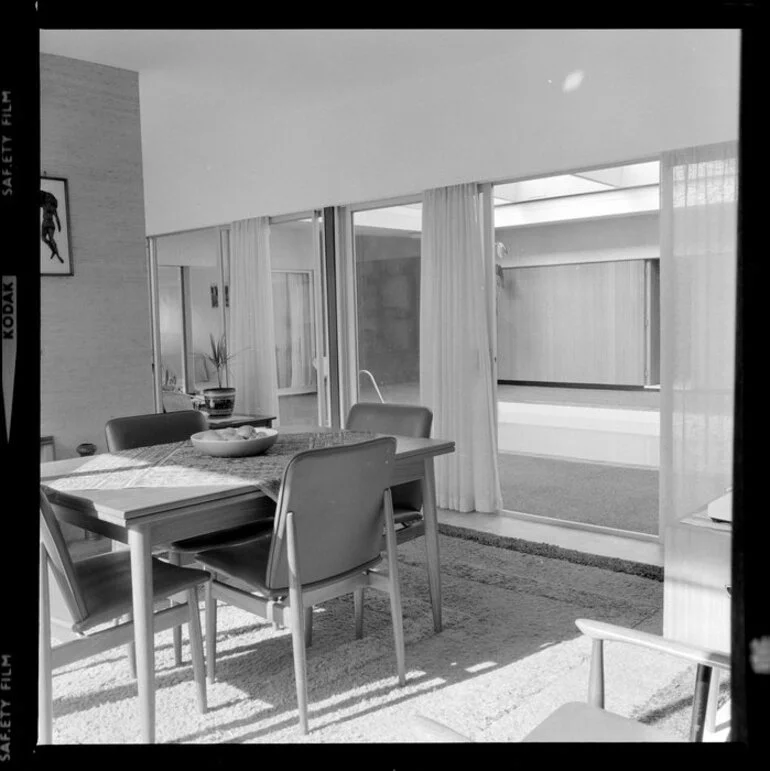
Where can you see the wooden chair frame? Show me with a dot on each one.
(707, 661)
(292, 611)
(88, 644)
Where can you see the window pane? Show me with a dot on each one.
(387, 252)
(170, 313)
(206, 297)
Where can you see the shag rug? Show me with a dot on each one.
(508, 655)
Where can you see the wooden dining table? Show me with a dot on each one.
(148, 497)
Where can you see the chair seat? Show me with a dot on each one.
(404, 516)
(105, 581)
(579, 722)
(233, 537)
(247, 562)
(264, 513)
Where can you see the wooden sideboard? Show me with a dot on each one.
(697, 572)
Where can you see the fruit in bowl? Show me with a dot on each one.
(234, 442)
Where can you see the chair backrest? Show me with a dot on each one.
(60, 561)
(400, 419)
(156, 428)
(336, 496)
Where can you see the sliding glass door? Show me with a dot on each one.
(385, 250)
(301, 350)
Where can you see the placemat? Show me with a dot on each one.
(179, 464)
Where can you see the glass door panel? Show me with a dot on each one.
(300, 326)
(387, 267)
(170, 324)
(206, 322)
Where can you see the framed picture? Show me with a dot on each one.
(55, 247)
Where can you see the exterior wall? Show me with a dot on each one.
(95, 326)
(388, 287)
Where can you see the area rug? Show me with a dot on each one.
(593, 493)
(509, 654)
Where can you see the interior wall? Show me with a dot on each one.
(558, 100)
(96, 356)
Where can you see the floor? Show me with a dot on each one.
(646, 549)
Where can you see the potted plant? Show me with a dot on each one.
(218, 402)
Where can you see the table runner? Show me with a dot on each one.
(179, 464)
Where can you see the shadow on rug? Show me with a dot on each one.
(509, 641)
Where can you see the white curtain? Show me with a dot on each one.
(293, 330)
(251, 335)
(456, 367)
(699, 189)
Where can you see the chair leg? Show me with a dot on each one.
(211, 631)
(698, 720)
(175, 558)
(713, 702)
(45, 675)
(358, 606)
(130, 649)
(308, 627)
(297, 619)
(395, 588)
(196, 648)
(300, 664)
(596, 675)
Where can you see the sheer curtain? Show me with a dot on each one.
(456, 369)
(252, 336)
(293, 330)
(697, 278)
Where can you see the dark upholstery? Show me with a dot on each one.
(161, 428)
(98, 589)
(105, 581)
(156, 428)
(335, 494)
(402, 420)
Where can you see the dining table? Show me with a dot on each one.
(149, 497)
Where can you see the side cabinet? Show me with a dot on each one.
(697, 572)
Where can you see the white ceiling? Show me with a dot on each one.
(282, 67)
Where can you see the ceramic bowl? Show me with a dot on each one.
(233, 448)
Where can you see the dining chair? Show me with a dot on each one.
(590, 721)
(127, 433)
(333, 505)
(403, 420)
(97, 590)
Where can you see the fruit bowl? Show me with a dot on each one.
(234, 442)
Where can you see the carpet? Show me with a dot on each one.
(594, 493)
(508, 655)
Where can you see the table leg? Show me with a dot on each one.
(431, 540)
(141, 585)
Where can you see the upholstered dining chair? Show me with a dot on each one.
(333, 506)
(95, 591)
(590, 721)
(403, 420)
(127, 433)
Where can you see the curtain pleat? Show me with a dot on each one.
(252, 335)
(698, 281)
(456, 372)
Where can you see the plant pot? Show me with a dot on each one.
(217, 402)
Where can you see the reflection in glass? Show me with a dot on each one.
(387, 259)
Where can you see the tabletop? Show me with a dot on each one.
(134, 483)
